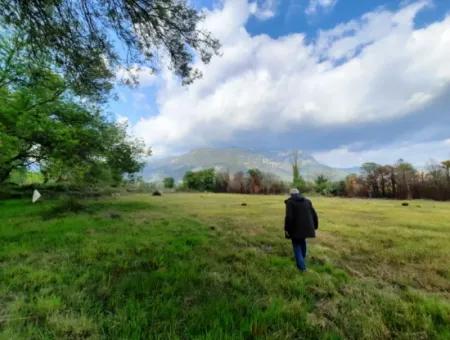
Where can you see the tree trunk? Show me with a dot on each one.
(407, 186)
(394, 185)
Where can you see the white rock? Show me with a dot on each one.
(36, 196)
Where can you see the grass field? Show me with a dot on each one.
(203, 266)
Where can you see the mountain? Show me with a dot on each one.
(236, 159)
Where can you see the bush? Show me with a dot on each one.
(169, 182)
(322, 185)
(337, 188)
(203, 180)
(69, 204)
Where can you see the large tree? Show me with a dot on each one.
(202, 180)
(406, 175)
(42, 122)
(297, 180)
(84, 39)
(370, 171)
(255, 180)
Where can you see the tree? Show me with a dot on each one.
(435, 173)
(446, 167)
(43, 123)
(355, 186)
(406, 173)
(382, 173)
(399, 181)
(80, 37)
(255, 180)
(322, 185)
(203, 180)
(237, 184)
(370, 172)
(338, 188)
(169, 182)
(297, 180)
(393, 180)
(222, 181)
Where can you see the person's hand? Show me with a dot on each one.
(286, 234)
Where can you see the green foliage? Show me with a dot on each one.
(43, 124)
(322, 185)
(300, 184)
(169, 182)
(22, 176)
(337, 188)
(132, 266)
(255, 173)
(297, 180)
(80, 38)
(203, 180)
(295, 173)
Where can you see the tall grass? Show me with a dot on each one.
(205, 266)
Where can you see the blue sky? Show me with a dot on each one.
(347, 81)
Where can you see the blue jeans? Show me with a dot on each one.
(300, 253)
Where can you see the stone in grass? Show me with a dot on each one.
(266, 248)
(244, 204)
(157, 193)
(405, 204)
(114, 215)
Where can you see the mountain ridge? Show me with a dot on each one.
(234, 159)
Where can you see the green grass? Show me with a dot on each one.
(203, 266)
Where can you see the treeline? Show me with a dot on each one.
(398, 181)
(401, 181)
(252, 181)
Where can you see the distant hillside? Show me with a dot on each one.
(236, 159)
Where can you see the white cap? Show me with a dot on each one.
(294, 191)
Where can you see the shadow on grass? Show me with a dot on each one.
(120, 206)
(73, 205)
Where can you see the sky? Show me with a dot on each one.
(344, 80)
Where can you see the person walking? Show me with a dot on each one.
(300, 223)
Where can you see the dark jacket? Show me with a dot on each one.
(301, 219)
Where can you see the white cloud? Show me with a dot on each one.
(369, 70)
(315, 5)
(416, 153)
(263, 10)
